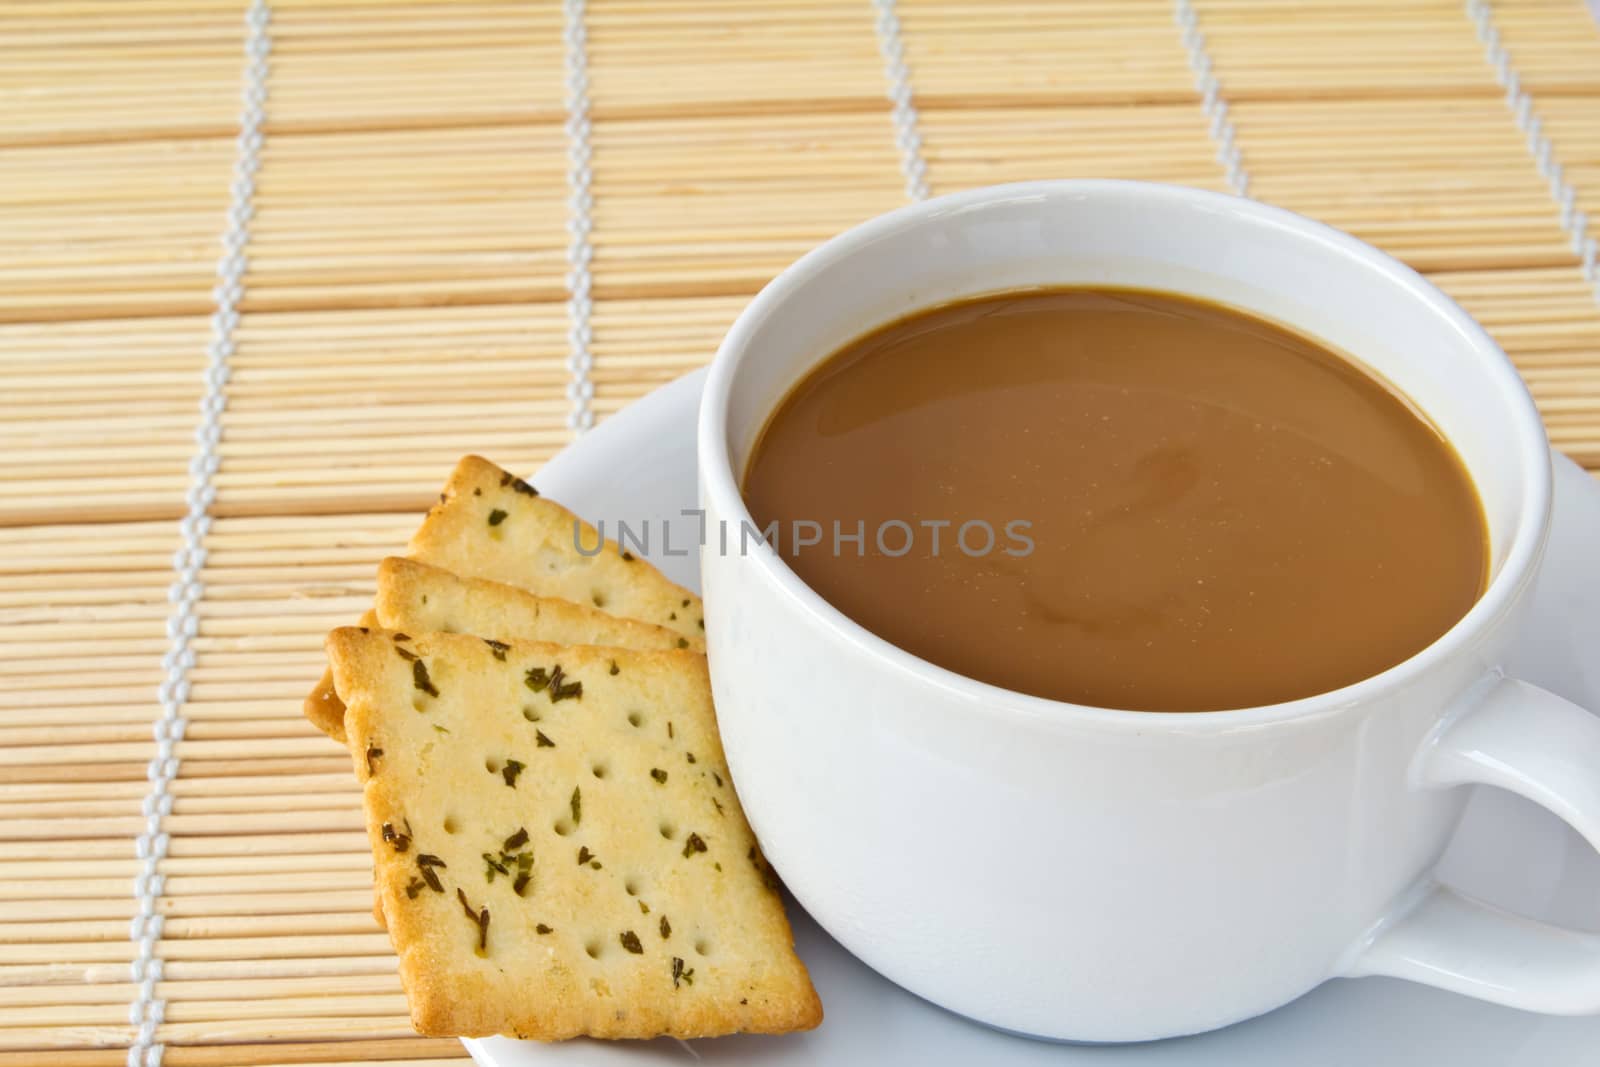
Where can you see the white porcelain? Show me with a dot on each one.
(640, 465)
(1093, 875)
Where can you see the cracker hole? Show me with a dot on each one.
(600, 770)
(491, 765)
(417, 704)
(702, 947)
(668, 831)
(599, 598)
(593, 948)
(529, 713)
(449, 824)
(563, 827)
(632, 886)
(635, 719)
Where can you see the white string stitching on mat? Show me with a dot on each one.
(580, 209)
(1574, 222)
(1216, 108)
(903, 112)
(148, 1008)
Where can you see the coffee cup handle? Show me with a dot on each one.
(1519, 737)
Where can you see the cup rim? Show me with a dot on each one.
(720, 482)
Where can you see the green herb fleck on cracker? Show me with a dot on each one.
(420, 679)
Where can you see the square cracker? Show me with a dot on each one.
(646, 906)
(417, 598)
(414, 596)
(457, 535)
(534, 543)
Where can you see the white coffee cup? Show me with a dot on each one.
(1097, 875)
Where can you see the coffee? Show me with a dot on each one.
(1171, 505)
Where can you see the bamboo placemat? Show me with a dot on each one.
(456, 222)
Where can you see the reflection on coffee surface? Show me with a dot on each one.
(1167, 504)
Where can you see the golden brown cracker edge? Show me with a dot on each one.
(415, 595)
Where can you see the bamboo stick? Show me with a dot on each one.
(419, 1052)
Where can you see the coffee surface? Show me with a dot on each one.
(1168, 505)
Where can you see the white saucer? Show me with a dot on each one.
(640, 464)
